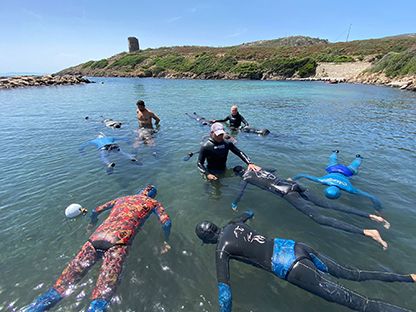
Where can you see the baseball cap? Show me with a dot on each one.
(217, 128)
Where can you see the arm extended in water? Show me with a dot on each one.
(376, 202)
(234, 204)
(307, 176)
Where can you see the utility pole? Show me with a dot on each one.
(348, 35)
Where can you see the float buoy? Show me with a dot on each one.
(74, 210)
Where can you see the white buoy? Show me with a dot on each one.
(74, 210)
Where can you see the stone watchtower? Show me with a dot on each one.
(133, 44)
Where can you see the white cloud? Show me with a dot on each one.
(173, 19)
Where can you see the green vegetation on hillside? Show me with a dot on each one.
(395, 64)
(285, 57)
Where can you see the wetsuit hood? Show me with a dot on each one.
(238, 170)
(332, 192)
(149, 191)
(208, 232)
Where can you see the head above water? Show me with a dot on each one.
(234, 110)
(332, 192)
(238, 170)
(140, 105)
(208, 232)
(217, 131)
(149, 191)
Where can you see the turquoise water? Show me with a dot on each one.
(42, 172)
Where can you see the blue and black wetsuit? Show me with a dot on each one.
(300, 198)
(216, 155)
(339, 176)
(105, 145)
(295, 262)
(235, 120)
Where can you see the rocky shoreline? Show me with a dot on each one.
(37, 81)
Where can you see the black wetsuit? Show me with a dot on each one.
(235, 120)
(301, 199)
(216, 155)
(295, 262)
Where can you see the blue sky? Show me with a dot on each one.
(44, 36)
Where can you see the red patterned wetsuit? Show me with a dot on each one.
(111, 240)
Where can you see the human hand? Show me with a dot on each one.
(90, 227)
(211, 177)
(165, 248)
(250, 213)
(253, 167)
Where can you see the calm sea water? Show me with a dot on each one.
(42, 172)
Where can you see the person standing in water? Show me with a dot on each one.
(111, 242)
(215, 152)
(235, 119)
(292, 261)
(145, 116)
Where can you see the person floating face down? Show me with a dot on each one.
(105, 146)
(215, 152)
(111, 242)
(307, 202)
(338, 178)
(292, 261)
(235, 119)
(145, 116)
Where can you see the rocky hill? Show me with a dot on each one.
(285, 58)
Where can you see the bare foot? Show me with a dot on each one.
(413, 277)
(165, 248)
(374, 234)
(379, 219)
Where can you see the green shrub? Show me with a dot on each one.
(129, 60)
(396, 64)
(174, 62)
(287, 67)
(87, 64)
(226, 63)
(204, 64)
(248, 70)
(99, 64)
(335, 58)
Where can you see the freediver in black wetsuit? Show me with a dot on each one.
(307, 203)
(294, 262)
(215, 152)
(235, 119)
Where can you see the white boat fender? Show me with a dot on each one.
(74, 210)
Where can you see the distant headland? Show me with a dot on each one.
(387, 61)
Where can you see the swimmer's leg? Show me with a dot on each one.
(77, 268)
(325, 264)
(305, 275)
(73, 273)
(343, 208)
(104, 158)
(130, 156)
(305, 207)
(356, 163)
(331, 205)
(109, 276)
(333, 159)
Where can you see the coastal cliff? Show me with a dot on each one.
(388, 61)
